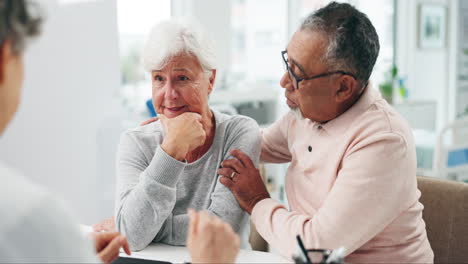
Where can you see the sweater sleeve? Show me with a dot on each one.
(275, 141)
(137, 214)
(363, 201)
(243, 134)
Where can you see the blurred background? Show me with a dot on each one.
(85, 85)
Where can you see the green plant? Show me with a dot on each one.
(386, 88)
(393, 83)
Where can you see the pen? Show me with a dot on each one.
(303, 249)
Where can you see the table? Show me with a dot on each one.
(175, 254)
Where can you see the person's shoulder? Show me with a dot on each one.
(235, 122)
(380, 123)
(17, 192)
(45, 231)
(36, 224)
(20, 195)
(381, 118)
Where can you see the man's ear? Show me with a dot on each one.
(212, 81)
(347, 88)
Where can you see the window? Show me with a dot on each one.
(135, 20)
(381, 14)
(259, 33)
(261, 29)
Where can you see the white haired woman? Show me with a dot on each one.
(166, 167)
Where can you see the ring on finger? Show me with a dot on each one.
(233, 174)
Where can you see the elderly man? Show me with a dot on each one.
(352, 177)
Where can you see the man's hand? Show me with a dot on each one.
(244, 180)
(108, 245)
(211, 240)
(149, 121)
(107, 225)
(184, 133)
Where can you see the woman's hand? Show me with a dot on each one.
(108, 245)
(184, 133)
(211, 240)
(107, 225)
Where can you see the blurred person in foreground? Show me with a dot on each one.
(36, 227)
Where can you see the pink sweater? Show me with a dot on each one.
(351, 182)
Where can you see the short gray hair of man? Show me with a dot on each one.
(177, 37)
(353, 43)
(19, 21)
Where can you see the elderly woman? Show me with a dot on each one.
(166, 167)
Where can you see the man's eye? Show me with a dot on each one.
(158, 78)
(183, 78)
(296, 71)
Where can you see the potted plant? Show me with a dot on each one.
(386, 88)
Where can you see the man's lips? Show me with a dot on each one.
(290, 102)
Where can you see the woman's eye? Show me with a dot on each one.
(183, 78)
(158, 78)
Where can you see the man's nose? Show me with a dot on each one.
(286, 82)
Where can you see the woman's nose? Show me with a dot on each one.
(170, 91)
(285, 81)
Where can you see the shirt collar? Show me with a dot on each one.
(341, 123)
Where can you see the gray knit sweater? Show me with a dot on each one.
(154, 190)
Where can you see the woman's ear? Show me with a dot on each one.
(212, 81)
(6, 54)
(3, 56)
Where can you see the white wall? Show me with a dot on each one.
(430, 72)
(69, 98)
(215, 17)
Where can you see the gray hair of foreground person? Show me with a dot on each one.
(19, 21)
(178, 37)
(353, 43)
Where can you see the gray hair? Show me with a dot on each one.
(353, 43)
(175, 37)
(20, 20)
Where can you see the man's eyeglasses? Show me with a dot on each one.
(296, 80)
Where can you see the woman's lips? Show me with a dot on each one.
(175, 110)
